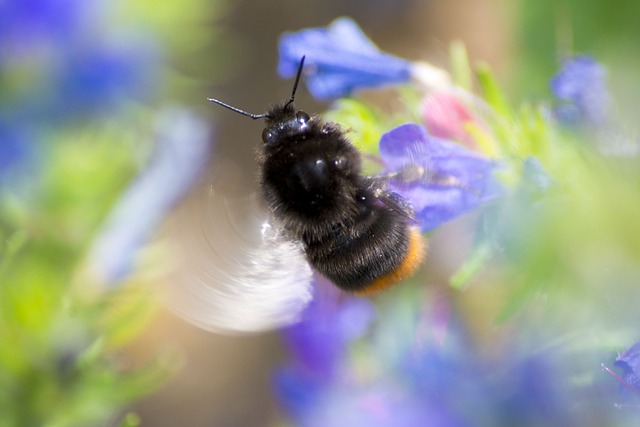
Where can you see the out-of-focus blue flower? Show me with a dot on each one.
(415, 368)
(183, 143)
(319, 345)
(322, 386)
(382, 404)
(96, 80)
(534, 393)
(440, 179)
(581, 84)
(329, 324)
(339, 60)
(58, 64)
(26, 23)
(629, 362)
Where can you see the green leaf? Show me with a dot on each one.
(492, 92)
(460, 67)
(476, 261)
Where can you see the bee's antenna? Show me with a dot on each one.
(237, 110)
(261, 116)
(295, 83)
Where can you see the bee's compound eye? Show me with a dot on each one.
(340, 162)
(302, 117)
(269, 137)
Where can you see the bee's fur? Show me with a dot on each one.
(353, 230)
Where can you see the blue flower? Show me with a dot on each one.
(97, 80)
(319, 346)
(629, 362)
(182, 147)
(339, 60)
(581, 85)
(24, 23)
(57, 66)
(322, 386)
(329, 324)
(417, 367)
(440, 179)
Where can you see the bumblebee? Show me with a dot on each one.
(347, 226)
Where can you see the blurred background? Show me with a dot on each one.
(98, 73)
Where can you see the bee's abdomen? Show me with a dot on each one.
(373, 256)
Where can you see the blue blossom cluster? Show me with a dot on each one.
(59, 64)
(417, 368)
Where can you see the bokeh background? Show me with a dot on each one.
(147, 57)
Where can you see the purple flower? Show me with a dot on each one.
(339, 60)
(403, 374)
(182, 147)
(57, 66)
(382, 404)
(629, 362)
(440, 179)
(96, 80)
(319, 346)
(26, 23)
(322, 385)
(328, 325)
(58, 62)
(581, 85)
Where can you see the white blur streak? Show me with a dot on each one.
(182, 148)
(238, 273)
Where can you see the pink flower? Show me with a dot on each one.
(445, 117)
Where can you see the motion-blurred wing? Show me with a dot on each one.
(237, 272)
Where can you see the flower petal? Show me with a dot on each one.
(445, 117)
(629, 361)
(329, 324)
(182, 147)
(403, 145)
(435, 205)
(339, 59)
(454, 179)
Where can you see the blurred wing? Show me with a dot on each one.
(237, 272)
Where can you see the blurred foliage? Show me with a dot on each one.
(549, 31)
(574, 253)
(59, 357)
(73, 138)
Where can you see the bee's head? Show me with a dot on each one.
(285, 123)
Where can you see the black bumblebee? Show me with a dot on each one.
(347, 226)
